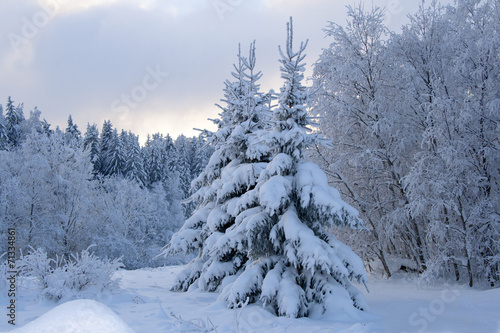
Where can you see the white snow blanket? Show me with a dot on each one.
(80, 316)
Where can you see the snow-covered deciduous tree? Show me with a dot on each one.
(453, 185)
(414, 116)
(373, 147)
(66, 277)
(45, 194)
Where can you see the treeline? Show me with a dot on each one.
(64, 191)
(415, 122)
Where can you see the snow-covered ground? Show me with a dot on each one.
(143, 303)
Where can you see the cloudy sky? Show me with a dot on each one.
(151, 65)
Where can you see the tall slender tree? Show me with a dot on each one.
(133, 166)
(14, 117)
(73, 136)
(91, 143)
(115, 157)
(105, 142)
(3, 131)
(232, 169)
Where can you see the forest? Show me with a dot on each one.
(406, 126)
(65, 191)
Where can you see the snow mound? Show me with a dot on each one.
(77, 317)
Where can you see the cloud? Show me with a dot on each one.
(89, 53)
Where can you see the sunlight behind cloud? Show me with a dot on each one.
(174, 8)
(70, 7)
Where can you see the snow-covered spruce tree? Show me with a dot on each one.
(157, 154)
(3, 131)
(91, 143)
(134, 164)
(232, 170)
(115, 156)
(183, 168)
(105, 146)
(14, 119)
(72, 134)
(293, 264)
(261, 227)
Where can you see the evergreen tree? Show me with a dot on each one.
(3, 131)
(73, 136)
(183, 166)
(171, 156)
(115, 157)
(14, 117)
(134, 167)
(46, 128)
(91, 143)
(232, 169)
(201, 152)
(265, 223)
(294, 263)
(105, 143)
(155, 158)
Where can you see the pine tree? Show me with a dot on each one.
(265, 223)
(171, 156)
(232, 169)
(183, 167)
(3, 131)
(294, 264)
(14, 117)
(105, 146)
(91, 143)
(115, 158)
(201, 154)
(134, 167)
(46, 128)
(156, 158)
(73, 136)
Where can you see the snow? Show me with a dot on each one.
(309, 250)
(290, 295)
(312, 185)
(216, 219)
(275, 193)
(77, 316)
(144, 303)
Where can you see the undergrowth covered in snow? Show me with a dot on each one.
(64, 277)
